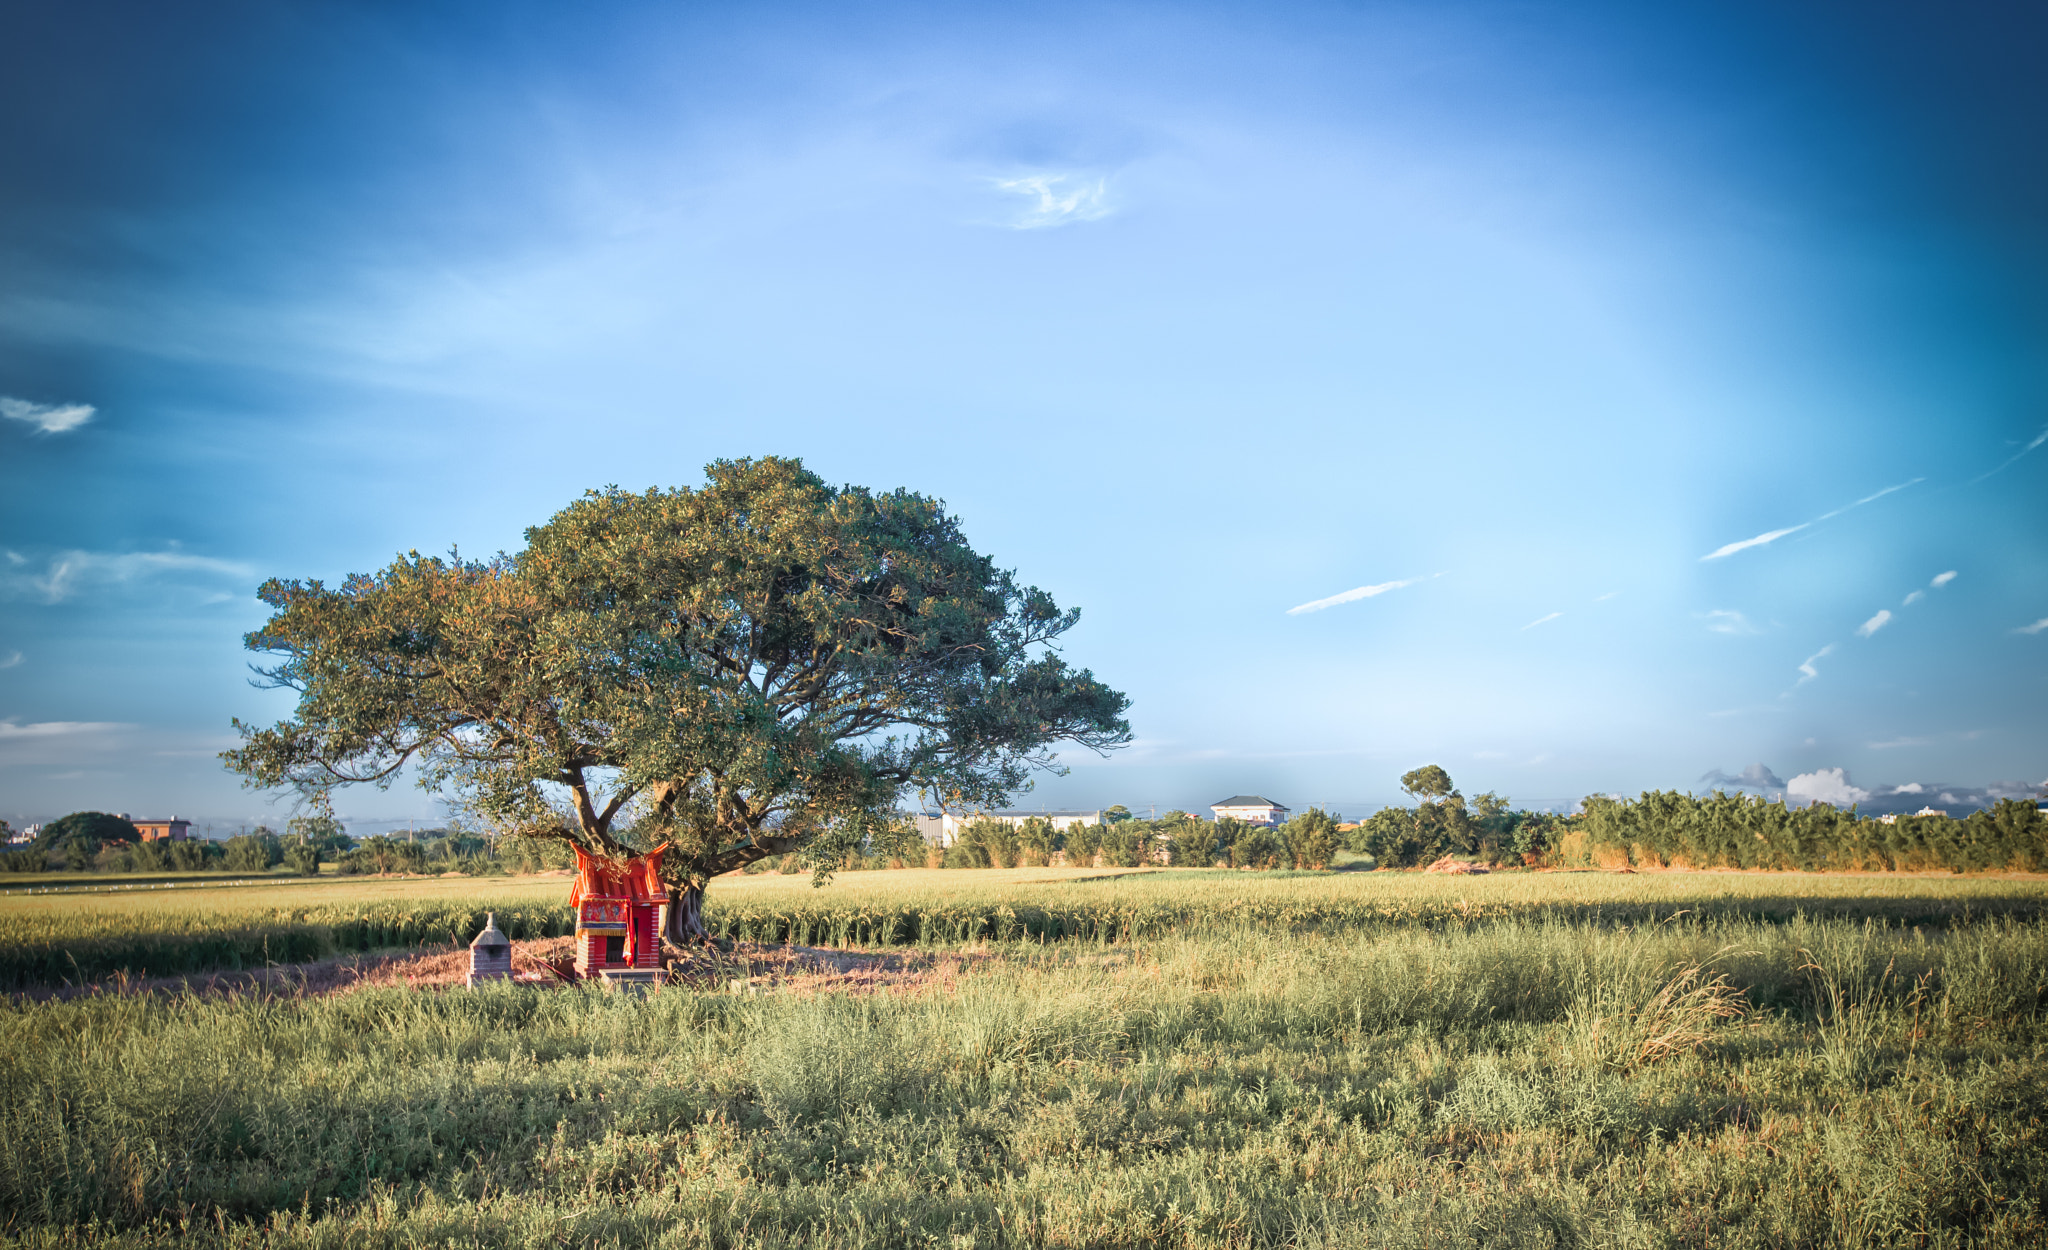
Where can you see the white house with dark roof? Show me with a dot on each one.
(1250, 808)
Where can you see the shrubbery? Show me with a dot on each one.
(1738, 831)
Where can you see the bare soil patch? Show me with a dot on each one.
(548, 963)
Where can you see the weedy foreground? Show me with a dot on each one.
(1505, 1080)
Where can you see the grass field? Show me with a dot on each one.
(75, 938)
(1351, 1059)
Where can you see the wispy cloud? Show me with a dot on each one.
(13, 658)
(1774, 535)
(10, 730)
(1894, 744)
(1913, 598)
(49, 418)
(2007, 463)
(1728, 621)
(1057, 200)
(1355, 594)
(2035, 628)
(1829, 516)
(1758, 541)
(1604, 598)
(1875, 623)
(70, 573)
(1543, 620)
(1807, 671)
(1943, 579)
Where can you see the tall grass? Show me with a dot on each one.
(43, 941)
(1520, 1081)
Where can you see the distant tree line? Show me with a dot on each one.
(1741, 831)
(99, 842)
(1657, 829)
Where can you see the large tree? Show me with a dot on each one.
(735, 670)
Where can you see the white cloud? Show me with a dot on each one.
(1354, 595)
(1943, 579)
(9, 729)
(1728, 621)
(69, 573)
(49, 418)
(1055, 203)
(1914, 598)
(1829, 516)
(1807, 672)
(1543, 620)
(1895, 743)
(1875, 623)
(13, 658)
(1825, 785)
(59, 743)
(2039, 439)
(1604, 598)
(1747, 543)
(2035, 628)
(1775, 535)
(1911, 787)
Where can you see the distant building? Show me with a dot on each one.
(1250, 808)
(172, 830)
(20, 836)
(943, 828)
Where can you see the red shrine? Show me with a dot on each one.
(621, 908)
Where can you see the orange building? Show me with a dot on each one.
(172, 830)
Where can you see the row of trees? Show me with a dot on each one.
(97, 841)
(1740, 831)
(1443, 823)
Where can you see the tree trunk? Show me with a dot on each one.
(686, 915)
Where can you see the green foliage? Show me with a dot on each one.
(1739, 831)
(302, 859)
(731, 669)
(1391, 836)
(1259, 846)
(76, 839)
(1190, 841)
(983, 843)
(385, 854)
(1427, 782)
(321, 831)
(1082, 843)
(26, 859)
(1312, 840)
(259, 851)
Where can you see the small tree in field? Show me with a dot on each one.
(735, 670)
(1312, 838)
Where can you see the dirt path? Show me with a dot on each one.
(540, 962)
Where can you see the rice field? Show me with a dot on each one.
(1226, 1059)
(75, 938)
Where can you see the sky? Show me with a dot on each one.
(1584, 397)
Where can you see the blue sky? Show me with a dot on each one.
(1207, 319)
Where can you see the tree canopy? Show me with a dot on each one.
(731, 669)
(90, 829)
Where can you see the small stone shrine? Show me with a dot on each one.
(621, 909)
(490, 956)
